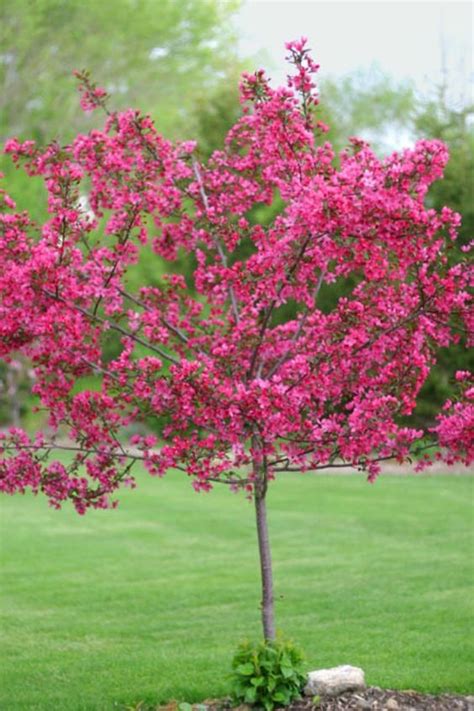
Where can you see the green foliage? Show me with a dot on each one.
(268, 674)
(216, 113)
(367, 104)
(454, 126)
(160, 55)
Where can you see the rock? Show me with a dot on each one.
(470, 703)
(335, 681)
(391, 705)
(363, 705)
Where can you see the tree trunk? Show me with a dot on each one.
(267, 606)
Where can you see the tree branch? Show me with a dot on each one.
(217, 243)
(361, 465)
(270, 308)
(174, 329)
(121, 242)
(115, 327)
(123, 453)
(296, 336)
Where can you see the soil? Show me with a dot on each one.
(376, 699)
(372, 699)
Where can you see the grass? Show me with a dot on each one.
(148, 602)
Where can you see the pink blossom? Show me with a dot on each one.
(229, 385)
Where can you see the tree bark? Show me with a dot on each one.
(267, 606)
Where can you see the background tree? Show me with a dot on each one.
(455, 126)
(369, 104)
(162, 56)
(378, 108)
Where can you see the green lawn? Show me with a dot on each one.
(149, 601)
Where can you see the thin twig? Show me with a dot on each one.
(115, 327)
(121, 242)
(296, 336)
(94, 366)
(216, 240)
(270, 308)
(361, 465)
(50, 446)
(177, 331)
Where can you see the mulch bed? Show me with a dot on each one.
(376, 699)
(372, 699)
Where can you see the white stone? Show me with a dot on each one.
(335, 681)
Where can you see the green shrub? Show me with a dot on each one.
(268, 674)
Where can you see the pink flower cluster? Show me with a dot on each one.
(230, 383)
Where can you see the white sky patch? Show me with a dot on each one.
(424, 41)
(159, 52)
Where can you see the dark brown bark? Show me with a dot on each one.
(267, 605)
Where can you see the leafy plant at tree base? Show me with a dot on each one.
(268, 674)
(239, 394)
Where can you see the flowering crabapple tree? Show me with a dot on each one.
(240, 394)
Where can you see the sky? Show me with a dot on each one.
(422, 41)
